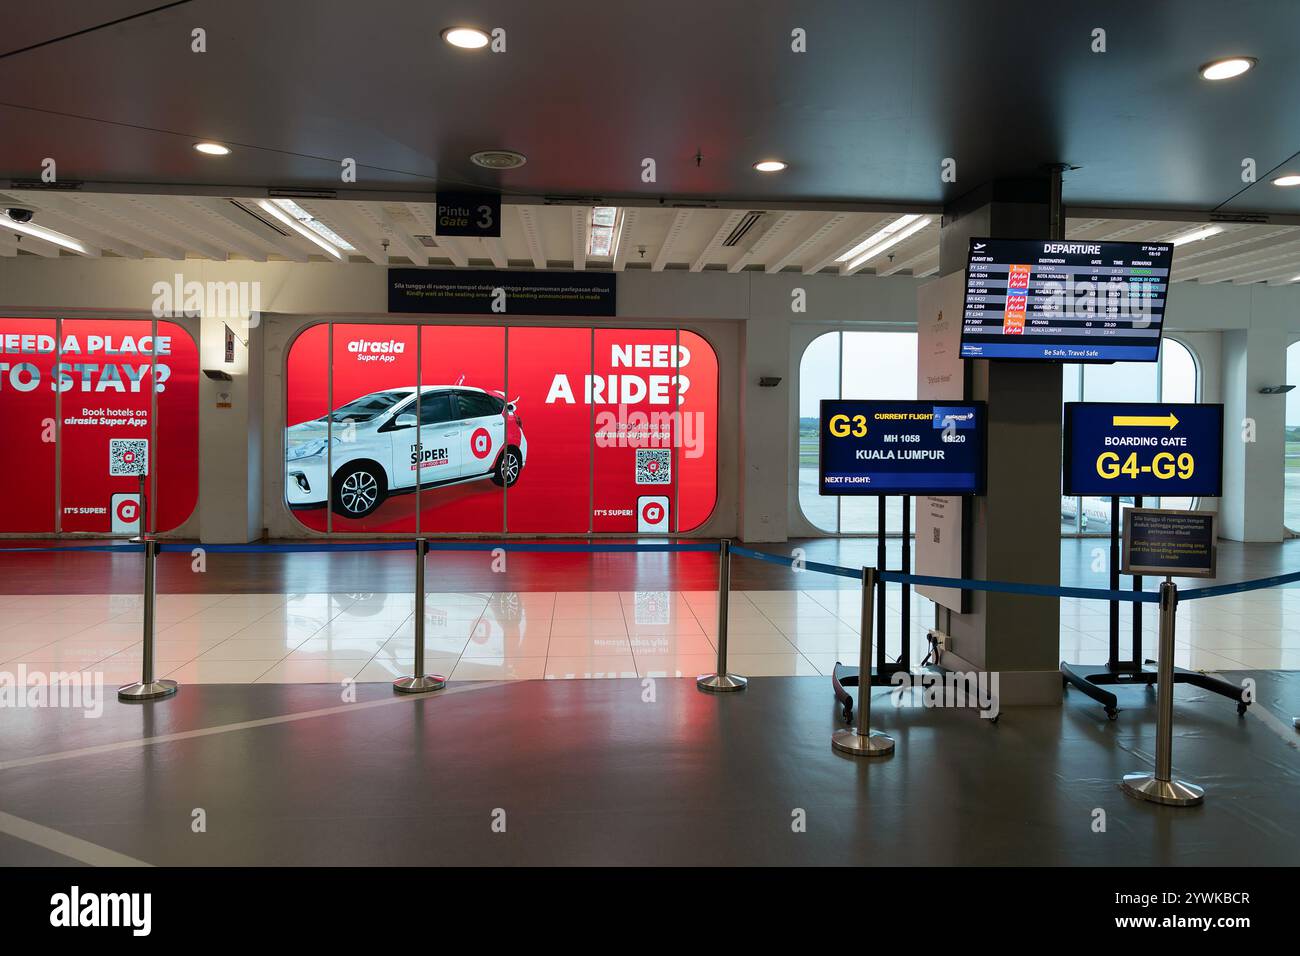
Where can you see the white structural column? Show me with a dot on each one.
(1015, 532)
(1253, 424)
(230, 439)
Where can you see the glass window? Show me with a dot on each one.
(478, 404)
(1291, 463)
(435, 408)
(865, 365)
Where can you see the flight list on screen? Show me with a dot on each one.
(1065, 301)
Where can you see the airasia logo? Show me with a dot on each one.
(652, 513)
(363, 346)
(128, 512)
(480, 443)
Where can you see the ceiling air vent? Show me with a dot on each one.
(498, 159)
(742, 228)
(268, 223)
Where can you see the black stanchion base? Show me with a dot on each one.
(1090, 678)
(846, 675)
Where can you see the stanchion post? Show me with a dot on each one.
(1160, 787)
(419, 682)
(720, 681)
(862, 741)
(148, 688)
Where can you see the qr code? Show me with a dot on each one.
(652, 607)
(654, 466)
(128, 456)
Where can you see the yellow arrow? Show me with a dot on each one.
(1146, 421)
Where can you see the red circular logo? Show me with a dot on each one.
(480, 443)
(127, 511)
(653, 512)
(128, 457)
(652, 466)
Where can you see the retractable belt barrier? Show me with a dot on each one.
(857, 741)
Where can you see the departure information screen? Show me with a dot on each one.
(901, 448)
(1065, 301)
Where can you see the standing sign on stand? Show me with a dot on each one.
(1181, 543)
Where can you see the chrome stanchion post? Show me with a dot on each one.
(419, 682)
(862, 741)
(1160, 787)
(720, 681)
(148, 688)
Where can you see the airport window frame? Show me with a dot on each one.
(893, 521)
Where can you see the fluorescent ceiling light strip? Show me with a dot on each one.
(618, 234)
(1196, 235)
(298, 227)
(875, 237)
(49, 235)
(314, 224)
(898, 237)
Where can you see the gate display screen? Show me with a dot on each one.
(1143, 448)
(901, 448)
(1065, 301)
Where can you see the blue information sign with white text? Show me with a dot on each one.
(1143, 448)
(901, 448)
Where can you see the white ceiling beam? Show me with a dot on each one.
(246, 224)
(1212, 261)
(61, 222)
(674, 232)
(623, 243)
(80, 210)
(496, 250)
(167, 224)
(226, 232)
(840, 248)
(910, 264)
(764, 243)
(579, 218)
(338, 215)
(710, 251)
(401, 240)
(806, 245)
(31, 244)
(448, 246)
(528, 223)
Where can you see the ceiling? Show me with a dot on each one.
(556, 237)
(884, 94)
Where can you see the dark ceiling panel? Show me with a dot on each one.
(885, 93)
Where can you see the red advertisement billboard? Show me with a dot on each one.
(526, 429)
(101, 375)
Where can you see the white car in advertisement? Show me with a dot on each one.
(370, 449)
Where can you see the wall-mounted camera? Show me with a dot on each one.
(20, 215)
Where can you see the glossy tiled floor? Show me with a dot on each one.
(320, 637)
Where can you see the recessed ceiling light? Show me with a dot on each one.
(467, 38)
(498, 159)
(770, 165)
(1227, 68)
(212, 149)
(1290, 179)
